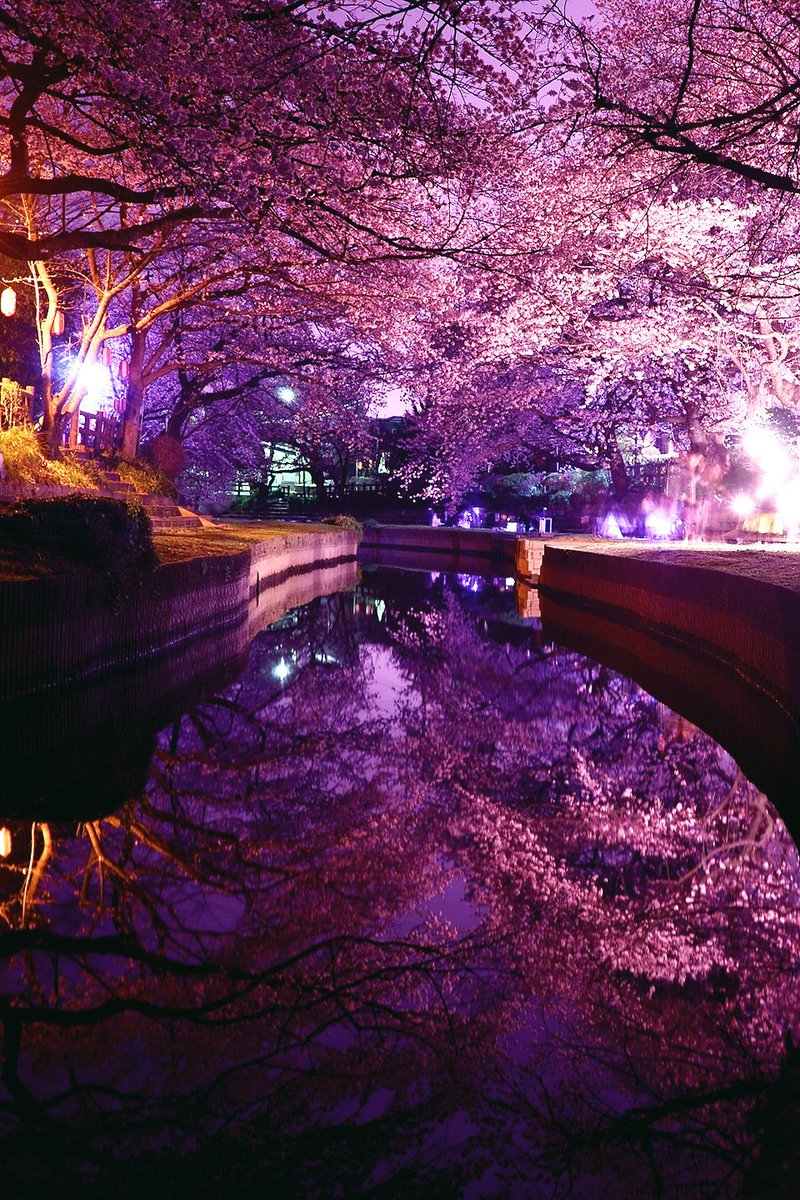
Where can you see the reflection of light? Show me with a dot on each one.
(470, 582)
(742, 504)
(380, 609)
(435, 575)
(286, 394)
(5, 842)
(282, 671)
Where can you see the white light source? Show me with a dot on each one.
(286, 394)
(742, 504)
(95, 382)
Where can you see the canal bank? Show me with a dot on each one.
(218, 580)
(712, 630)
(443, 548)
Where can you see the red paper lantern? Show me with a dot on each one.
(58, 323)
(8, 302)
(124, 368)
(106, 355)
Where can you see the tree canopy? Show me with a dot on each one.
(545, 230)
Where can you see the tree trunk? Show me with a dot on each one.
(134, 399)
(52, 427)
(318, 478)
(619, 474)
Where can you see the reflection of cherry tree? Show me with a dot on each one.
(388, 947)
(650, 890)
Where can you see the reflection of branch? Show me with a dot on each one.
(758, 834)
(102, 860)
(415, 959)
(34, 874)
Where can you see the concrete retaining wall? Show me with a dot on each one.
(721, 648)
(57, 630)
(444, 549)
(83, 749)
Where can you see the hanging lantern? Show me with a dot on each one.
(8, 302)
(124, 368)
(5, 842)
(58, 323)
(106, 356)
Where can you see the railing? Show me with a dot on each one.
(98, 432)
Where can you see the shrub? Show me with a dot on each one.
(345, 521)
(107, 535)
(146, 478)
(26, 464)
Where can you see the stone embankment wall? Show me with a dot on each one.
(719, 646)
(445, 549)
(65, 628)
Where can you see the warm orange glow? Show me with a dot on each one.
(8, 302)
(58, 323)
(5, 842)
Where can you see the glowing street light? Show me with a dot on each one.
(742, 504)
(95, 383)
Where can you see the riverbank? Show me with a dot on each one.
(711, 630)
(210, 539)
(67, 625)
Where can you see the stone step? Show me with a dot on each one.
(119, 489)
(165, 515)
(173, 524)
(148, 501)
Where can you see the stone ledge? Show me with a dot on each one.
(717, 638)
(61, 629)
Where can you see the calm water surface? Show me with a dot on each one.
(420, 906)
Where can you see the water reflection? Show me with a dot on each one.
(419, 905)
